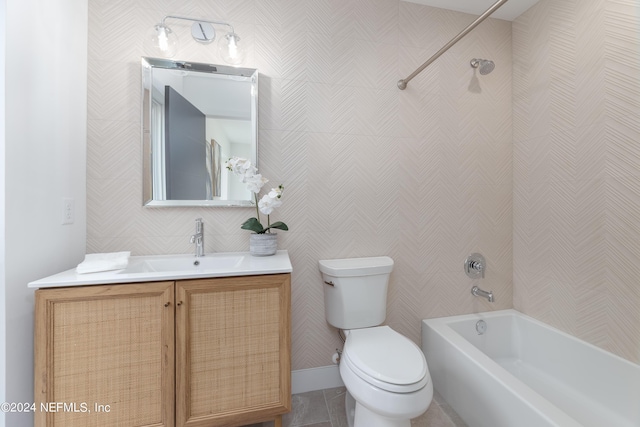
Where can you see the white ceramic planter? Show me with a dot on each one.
(263, 244)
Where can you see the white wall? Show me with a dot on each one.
(576, 169)
(46, 103)
(3, 322)
(422, 175)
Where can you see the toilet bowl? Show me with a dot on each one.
(387, 375)
(384, 372)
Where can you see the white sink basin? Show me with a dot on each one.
(175, 267)
(183, 263)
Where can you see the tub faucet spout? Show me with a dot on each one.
(477, 292)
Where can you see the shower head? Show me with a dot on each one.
(485, 66)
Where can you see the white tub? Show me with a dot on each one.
(524, 373)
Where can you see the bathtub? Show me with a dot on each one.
(523, 373)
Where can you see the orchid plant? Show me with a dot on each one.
(249, 175)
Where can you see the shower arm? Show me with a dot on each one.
(402, 84)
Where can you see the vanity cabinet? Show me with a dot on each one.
(107, 353)
(233, 350)
(205, 352)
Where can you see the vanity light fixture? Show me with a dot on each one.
(165, 40)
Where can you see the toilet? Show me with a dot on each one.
(385, 373)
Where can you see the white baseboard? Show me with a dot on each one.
(312, 379)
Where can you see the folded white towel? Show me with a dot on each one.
(94, 263)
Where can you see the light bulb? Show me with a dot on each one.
(162, 41)
(233, 48)
(230, 49)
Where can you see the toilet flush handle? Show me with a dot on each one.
(329, 283)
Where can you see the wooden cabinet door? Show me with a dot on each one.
(105, 356)
(232, 350)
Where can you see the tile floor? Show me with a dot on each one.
(325, 408)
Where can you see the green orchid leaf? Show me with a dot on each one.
(254, 225)
(279, 225)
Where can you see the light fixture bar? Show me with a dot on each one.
(202, 30)
(197, 20)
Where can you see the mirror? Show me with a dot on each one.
(195, 117)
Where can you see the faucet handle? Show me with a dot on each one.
(199, 225)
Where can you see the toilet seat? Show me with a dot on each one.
(386, 359)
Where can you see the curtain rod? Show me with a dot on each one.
(402, 84)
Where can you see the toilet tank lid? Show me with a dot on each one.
(347, 267)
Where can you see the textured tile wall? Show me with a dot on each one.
(576, 125)
(422, 175)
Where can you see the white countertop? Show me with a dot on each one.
(161, 267)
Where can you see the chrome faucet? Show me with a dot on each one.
(477, 292)
(198, 238)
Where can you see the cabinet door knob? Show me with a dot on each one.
(179, 303)
(167, 304)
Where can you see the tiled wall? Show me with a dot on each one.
(576, 128)
(422, 175)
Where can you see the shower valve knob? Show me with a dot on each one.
(475, 265)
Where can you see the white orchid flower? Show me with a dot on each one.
(255, 182)
(241, 167)
(234, 164)
(276, 193)
(248, 174)
(267, 204)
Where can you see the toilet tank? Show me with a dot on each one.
(355, 291)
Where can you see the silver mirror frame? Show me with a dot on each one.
(147, 64)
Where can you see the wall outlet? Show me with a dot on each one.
(68, 211)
